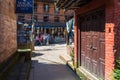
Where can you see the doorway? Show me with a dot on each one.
(92, 42)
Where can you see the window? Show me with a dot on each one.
(35, 7)
(35, 17)
(46, 18)
(56, 19)
(46, 8)
(57, 10)
(21, 18)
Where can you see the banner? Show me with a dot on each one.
(24, 6)
(70, 25)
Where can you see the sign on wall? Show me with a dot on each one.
(21, 36)
(24, 6)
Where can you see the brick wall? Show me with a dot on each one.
(113, 37)
(51, 12)
(8, 43)
(40, 7)
(117, 28)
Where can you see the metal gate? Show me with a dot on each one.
(92, 42)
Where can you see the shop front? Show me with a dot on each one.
(55, 31)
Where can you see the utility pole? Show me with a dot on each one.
(32, 29)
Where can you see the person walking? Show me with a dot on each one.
(48, 38)
(41, 39)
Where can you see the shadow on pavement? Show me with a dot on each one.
(46, 64)
(34, 54)
(49, 70)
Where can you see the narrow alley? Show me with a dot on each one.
(59, 39)
(46, 64)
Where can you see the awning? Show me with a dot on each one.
(50, 24)
(20, 22)
(45, 26)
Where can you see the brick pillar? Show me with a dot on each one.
(109, 40)
(75, 40)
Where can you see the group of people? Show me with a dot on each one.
(46, 39)
(42, 39)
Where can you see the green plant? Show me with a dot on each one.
(72, 55)
(117, 70)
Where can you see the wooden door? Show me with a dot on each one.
(92, 26)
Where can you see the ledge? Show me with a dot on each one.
(8, 64)
(27, 53)
(85, 75)
(67, 60)
(24, 50)
(81, 72)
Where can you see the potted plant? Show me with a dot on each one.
(72, 56)
(117, 70)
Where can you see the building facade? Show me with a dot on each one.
(47, 18)
(96, 36)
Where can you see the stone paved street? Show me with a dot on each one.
(46, 64)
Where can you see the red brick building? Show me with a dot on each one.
(97, 41)
(8, 39)
(47, 17)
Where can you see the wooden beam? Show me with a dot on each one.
(71, 4)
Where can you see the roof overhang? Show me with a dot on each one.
(71, 4)
(45, 1)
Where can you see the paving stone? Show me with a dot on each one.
(19, 71)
